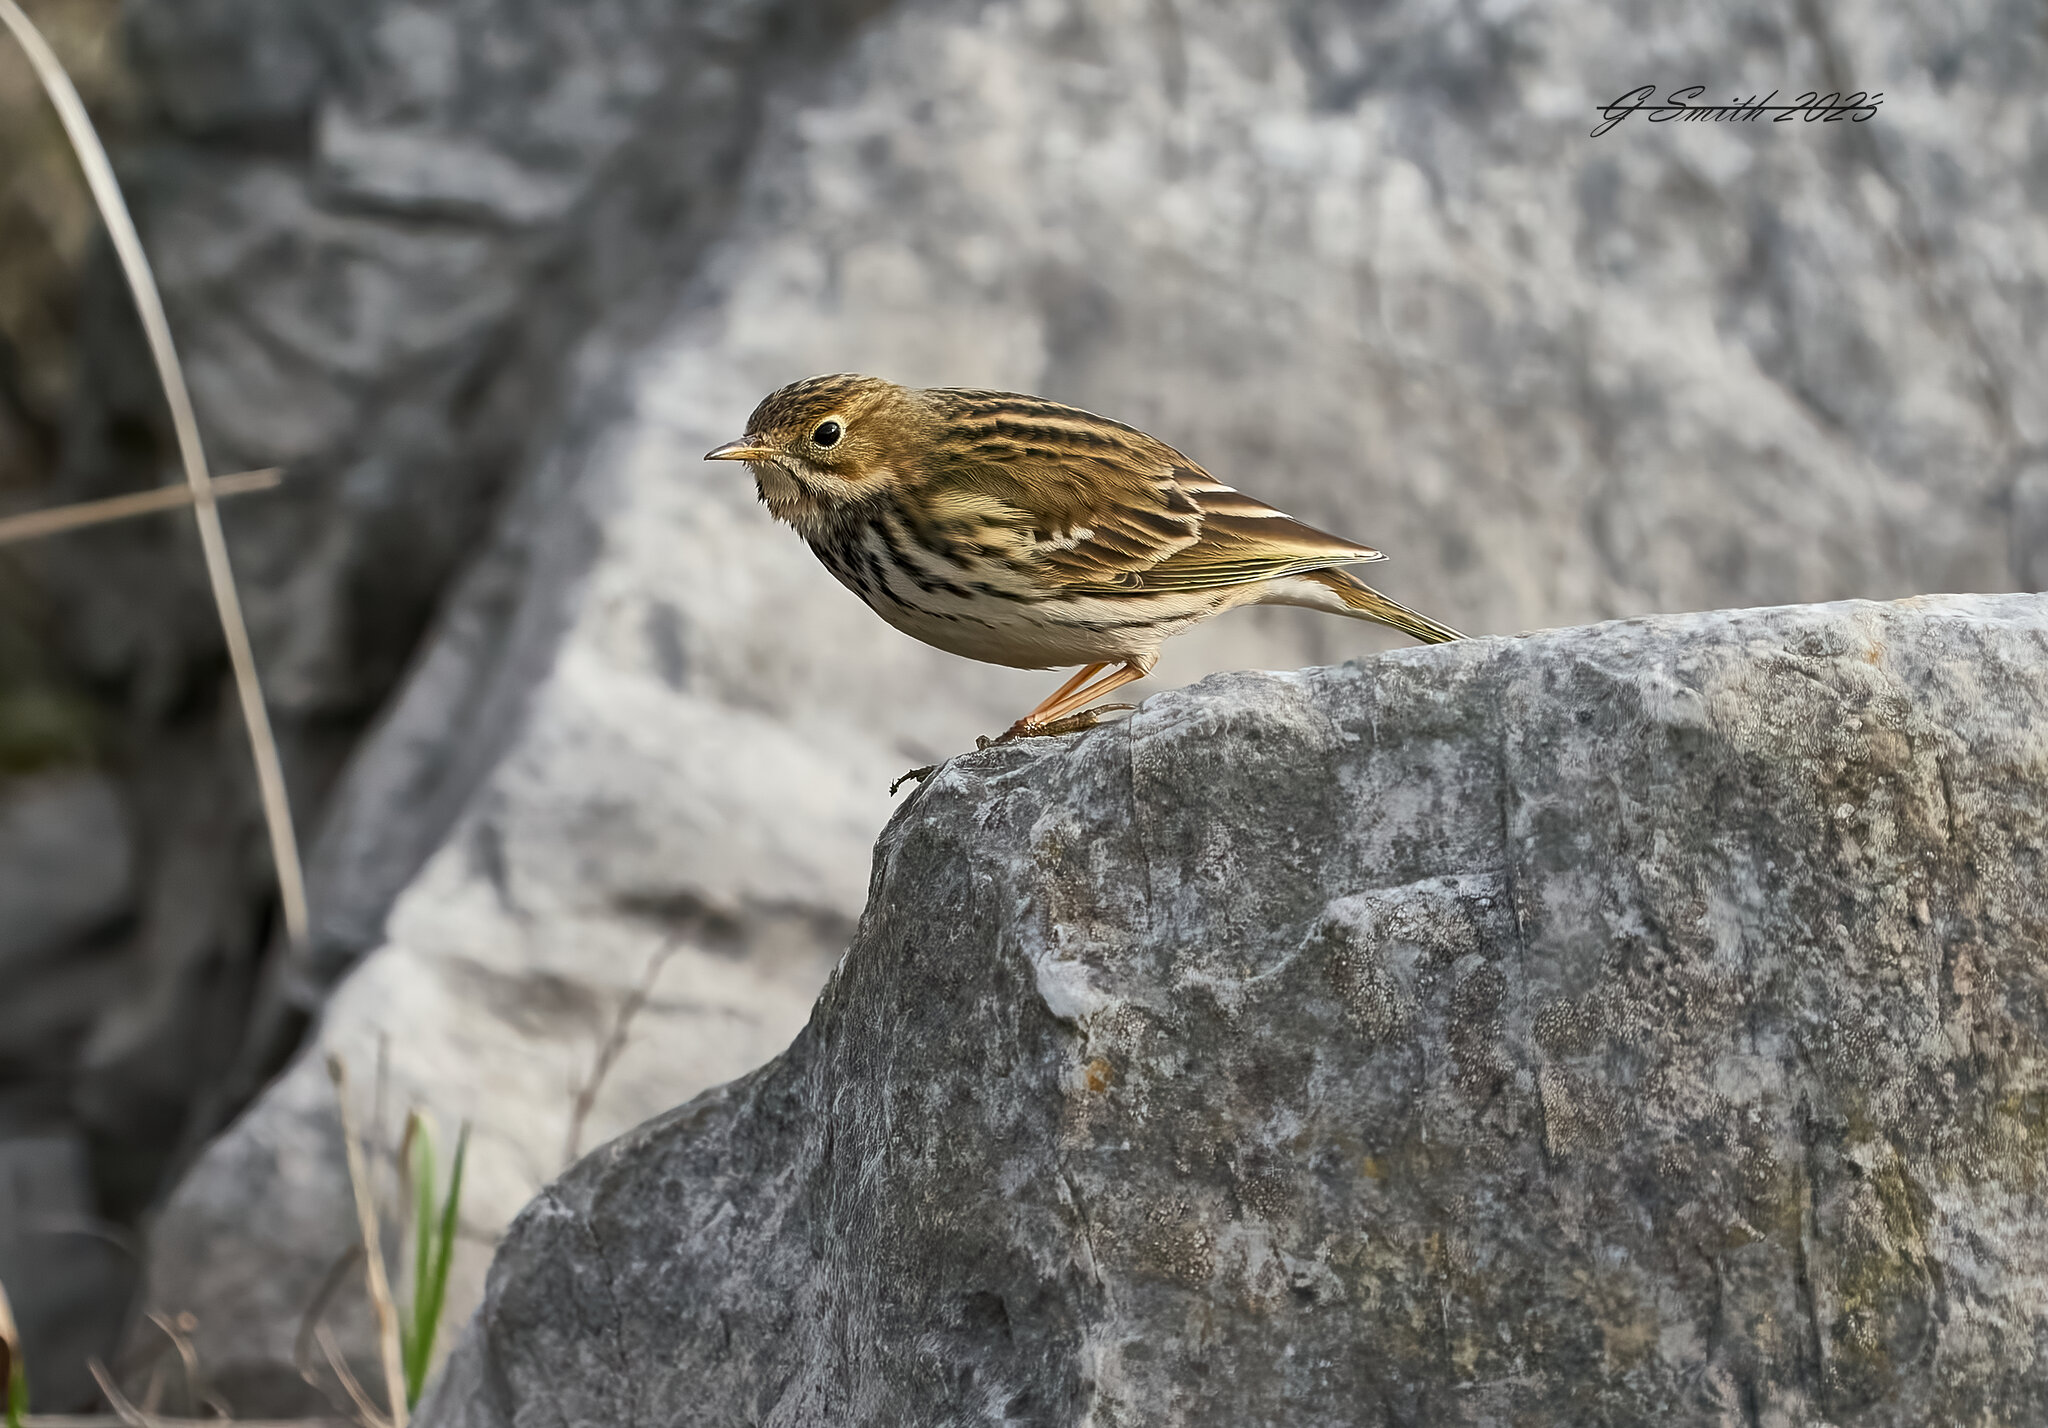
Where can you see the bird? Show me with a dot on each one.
(1020, 531)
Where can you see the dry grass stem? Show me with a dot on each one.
(99, 176)
(125, 1411)
(366, 1411)
(158, 1420)
(309, 1323)
(196, 1391)
(614, 1046)
(128, 1414)
(373, 1248)
(33, 525)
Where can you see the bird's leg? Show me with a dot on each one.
(1039, 721)
(1081, 677)
(1086, 673)
(1030, 723)
(1076, 696)
(1057, 714)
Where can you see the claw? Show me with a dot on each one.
(1071, 724)
(1076, 722)
(918, 775)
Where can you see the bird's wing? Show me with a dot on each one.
(1092, 507)
(1241, 540)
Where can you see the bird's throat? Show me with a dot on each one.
(786, 497)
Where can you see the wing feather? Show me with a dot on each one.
(1093, 507)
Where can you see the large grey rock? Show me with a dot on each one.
(1560, 377)
(1629, 1024)
(1367, 262)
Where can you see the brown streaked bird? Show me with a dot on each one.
(1015, 530)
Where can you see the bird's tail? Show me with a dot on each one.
(1365, 603)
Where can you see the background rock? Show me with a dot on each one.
(54, 1244)
(67, 855)
(490, 302)
(402, 348)
(46, 223)
(1628, 1024)
(64, 865)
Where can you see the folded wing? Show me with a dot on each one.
(1239, 541)
(1093, 507)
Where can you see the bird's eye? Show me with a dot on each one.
(828, 433)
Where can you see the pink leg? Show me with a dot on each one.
(1075, 694)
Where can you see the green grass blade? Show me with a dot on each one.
(433, 1291)
(418, 1327)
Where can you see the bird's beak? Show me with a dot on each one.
(742, 450)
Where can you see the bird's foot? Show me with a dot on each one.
(917, 775)
(1085, 719)
(1071, 724)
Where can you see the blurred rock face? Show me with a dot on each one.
(66, 852)
(491, 301)
(46, 214)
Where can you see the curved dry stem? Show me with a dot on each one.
(99, 176)
(381, 1302)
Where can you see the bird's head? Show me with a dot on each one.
(823, 444)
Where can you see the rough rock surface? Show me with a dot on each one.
(1368, 262)
(1640, 1023)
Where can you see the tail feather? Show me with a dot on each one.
(1369, 604)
